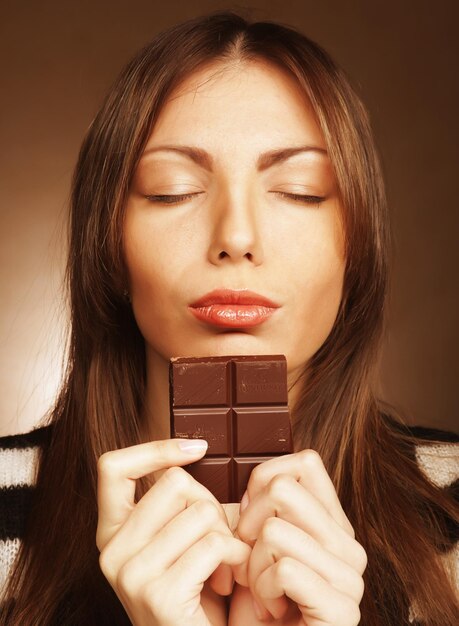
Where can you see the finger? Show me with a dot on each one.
(196, 565)
(243, 602)
(168, 545)
(119, 469)
(308, 469)
(279, 539)
(170, 495)
(176, 593)
(318, 602)
(222, 580)
(284, 497)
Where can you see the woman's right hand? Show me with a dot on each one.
(158, 553)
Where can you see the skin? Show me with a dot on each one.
(238, 233)
(172, 557)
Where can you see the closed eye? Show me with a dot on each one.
(170, 199)
(301, 198)
(175, 199)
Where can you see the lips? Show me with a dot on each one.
(231, 296)
(233, 308)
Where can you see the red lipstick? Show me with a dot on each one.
(233, 308)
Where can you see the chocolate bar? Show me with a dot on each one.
(239, 404)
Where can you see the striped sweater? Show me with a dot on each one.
(19, 455)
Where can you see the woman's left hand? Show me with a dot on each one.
(306, 566)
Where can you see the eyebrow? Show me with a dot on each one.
(265, 160)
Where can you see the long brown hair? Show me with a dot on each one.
(393, 508)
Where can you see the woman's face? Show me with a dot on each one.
(236, 231)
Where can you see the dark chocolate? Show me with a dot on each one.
(239, 404)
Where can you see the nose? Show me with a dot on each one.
(235, 231)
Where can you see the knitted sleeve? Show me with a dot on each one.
(18, 467)
(440, 463)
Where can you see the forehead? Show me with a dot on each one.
(239, 102)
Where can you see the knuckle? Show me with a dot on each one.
(279, 486)
(207, 510)
(350, 584)
(353, 613)
(127, 579)
(106, 463)
(362, 558)
(256, 477)
(106, 564)
(284, 569)
(270, 530)
(162, 447)
(310, 459)
(259, 476)
(178, 477)
(214, 541)
(360, 588)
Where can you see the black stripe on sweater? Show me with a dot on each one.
(447, 436)
(14, 506)
(36, 437)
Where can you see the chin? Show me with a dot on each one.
(235, 342)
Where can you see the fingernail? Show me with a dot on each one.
(244, 502)
(193, 446)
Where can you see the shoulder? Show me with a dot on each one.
(436, 452)
(437, 455)
(438, 459)
(19, 455)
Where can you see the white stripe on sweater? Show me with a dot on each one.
(18, 466)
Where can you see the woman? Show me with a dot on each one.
(229, 155)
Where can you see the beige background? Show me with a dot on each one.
(57, 60)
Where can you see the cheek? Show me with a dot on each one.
(150, 264)
(153, 248)
(320, 294)
(158, 259)
(326, 294)
(314, 315)
(319, 281)
(145, 261)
